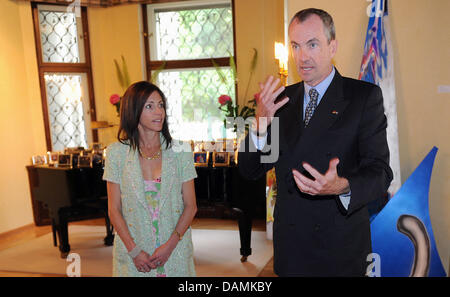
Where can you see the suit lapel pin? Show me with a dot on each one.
(334, 112)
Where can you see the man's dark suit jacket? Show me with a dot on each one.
(316, 235)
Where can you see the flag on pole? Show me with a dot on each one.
(377, 67)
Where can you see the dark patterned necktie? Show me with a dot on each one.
(313, 95)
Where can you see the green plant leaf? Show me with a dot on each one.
(219, 71)
(252, 70)
(233, 68)
(126, 76)
(243, 110)
(253, 102)
(246, 114)
(157, 71)
(254, 61)
(119, 73)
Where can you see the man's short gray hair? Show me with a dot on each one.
(327, 20)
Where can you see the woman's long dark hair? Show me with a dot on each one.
(131, 107)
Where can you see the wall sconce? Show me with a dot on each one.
(282, 56)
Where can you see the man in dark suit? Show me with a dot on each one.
(333, 157)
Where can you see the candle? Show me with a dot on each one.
(281, 56)
(278, 53)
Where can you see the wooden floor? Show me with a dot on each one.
(30, 232)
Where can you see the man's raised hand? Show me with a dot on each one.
(266, 106)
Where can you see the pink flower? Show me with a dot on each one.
(223, 99)
(257, 97)
(114, 99)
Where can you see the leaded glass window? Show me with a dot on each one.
(184, 40)
(66, 110)
(193, 33)
(61, 41)
(192, 108)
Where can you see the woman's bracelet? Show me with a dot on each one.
(180, 237)
(135, 252)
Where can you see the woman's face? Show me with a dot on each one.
(153, 113)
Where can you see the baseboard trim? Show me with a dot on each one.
(16, 232)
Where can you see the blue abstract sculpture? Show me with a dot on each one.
(402, 235)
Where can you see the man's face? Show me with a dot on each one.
(310, 49)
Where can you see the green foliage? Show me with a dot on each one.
(234, 72)
(155, 73)
(122, 74)
(252, 69)
(219, 71)
(233, 111)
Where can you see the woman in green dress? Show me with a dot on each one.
(151, 194)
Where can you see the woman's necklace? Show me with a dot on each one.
(155, 155)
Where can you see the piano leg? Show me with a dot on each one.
(54, 233)
(241, 198)
(63, 235)
(245, 232)
(109, 239)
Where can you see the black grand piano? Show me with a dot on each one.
(69, 194)
(61, 195)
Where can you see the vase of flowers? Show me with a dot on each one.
(124, 81)
(233, 111)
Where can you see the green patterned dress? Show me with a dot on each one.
(153, 195)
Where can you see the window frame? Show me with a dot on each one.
(63, 68)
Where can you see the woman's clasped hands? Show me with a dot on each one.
(144, 262)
